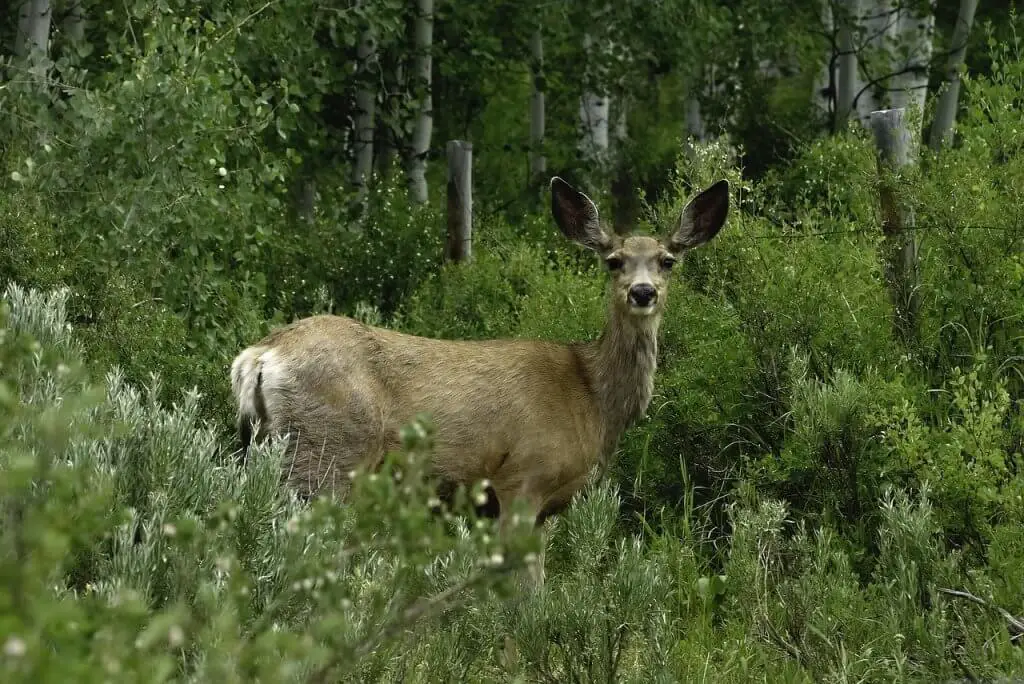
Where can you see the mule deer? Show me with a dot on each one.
(531, 417)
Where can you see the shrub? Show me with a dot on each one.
(799, 591)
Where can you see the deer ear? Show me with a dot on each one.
(576, 216)
(702, 218)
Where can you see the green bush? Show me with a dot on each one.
(799, 592)
(969, 453)
(168, 217)
(479, 300)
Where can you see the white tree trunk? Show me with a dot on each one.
(366, 98)
(945, 109)
(879, 24)
(538, 162)
(884, 51)
(594, 111)
(33, 38)
(423, 43)
(912, 57)
(594, 120)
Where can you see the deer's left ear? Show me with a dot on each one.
(702, 218)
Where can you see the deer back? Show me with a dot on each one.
(509, 411)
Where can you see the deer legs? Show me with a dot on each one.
(509, 517)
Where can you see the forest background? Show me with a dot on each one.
(828, 484)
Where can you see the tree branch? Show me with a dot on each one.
(1015, 624)
(872, 82)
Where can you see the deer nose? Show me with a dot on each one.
(642, 294)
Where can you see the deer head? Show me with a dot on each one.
(639, 265)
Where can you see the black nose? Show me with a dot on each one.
(642, 294)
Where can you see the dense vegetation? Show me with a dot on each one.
(813, 496)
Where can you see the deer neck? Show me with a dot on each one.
(621, 364)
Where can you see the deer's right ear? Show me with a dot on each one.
(576, 216)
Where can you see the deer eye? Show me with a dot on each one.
(613, 263)
(667, 262)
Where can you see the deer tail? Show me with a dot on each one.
(247, 387)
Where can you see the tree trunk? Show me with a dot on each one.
(460, 201)
(366, 97)
(909, 86)
(538, 162)
(594, 110)
(945, 109)
(824, 94)
(423, 43)
(594, 120)
(846, 83)
(879, 25)
(33, 36)
(895, 151)
(623, 190)
(694, 119)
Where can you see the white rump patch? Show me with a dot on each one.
(245, 376)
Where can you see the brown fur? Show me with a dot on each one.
(531, 417)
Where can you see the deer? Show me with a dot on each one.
(532, 418)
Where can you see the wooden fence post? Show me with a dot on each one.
(895, 153)
(460, 201)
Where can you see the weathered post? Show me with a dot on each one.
(460, 201)
(895, 154)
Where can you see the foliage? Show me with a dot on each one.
(803, 495)
(183, 206)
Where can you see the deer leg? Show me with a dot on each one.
(534, 574)
(536, 570)
(531, 579)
